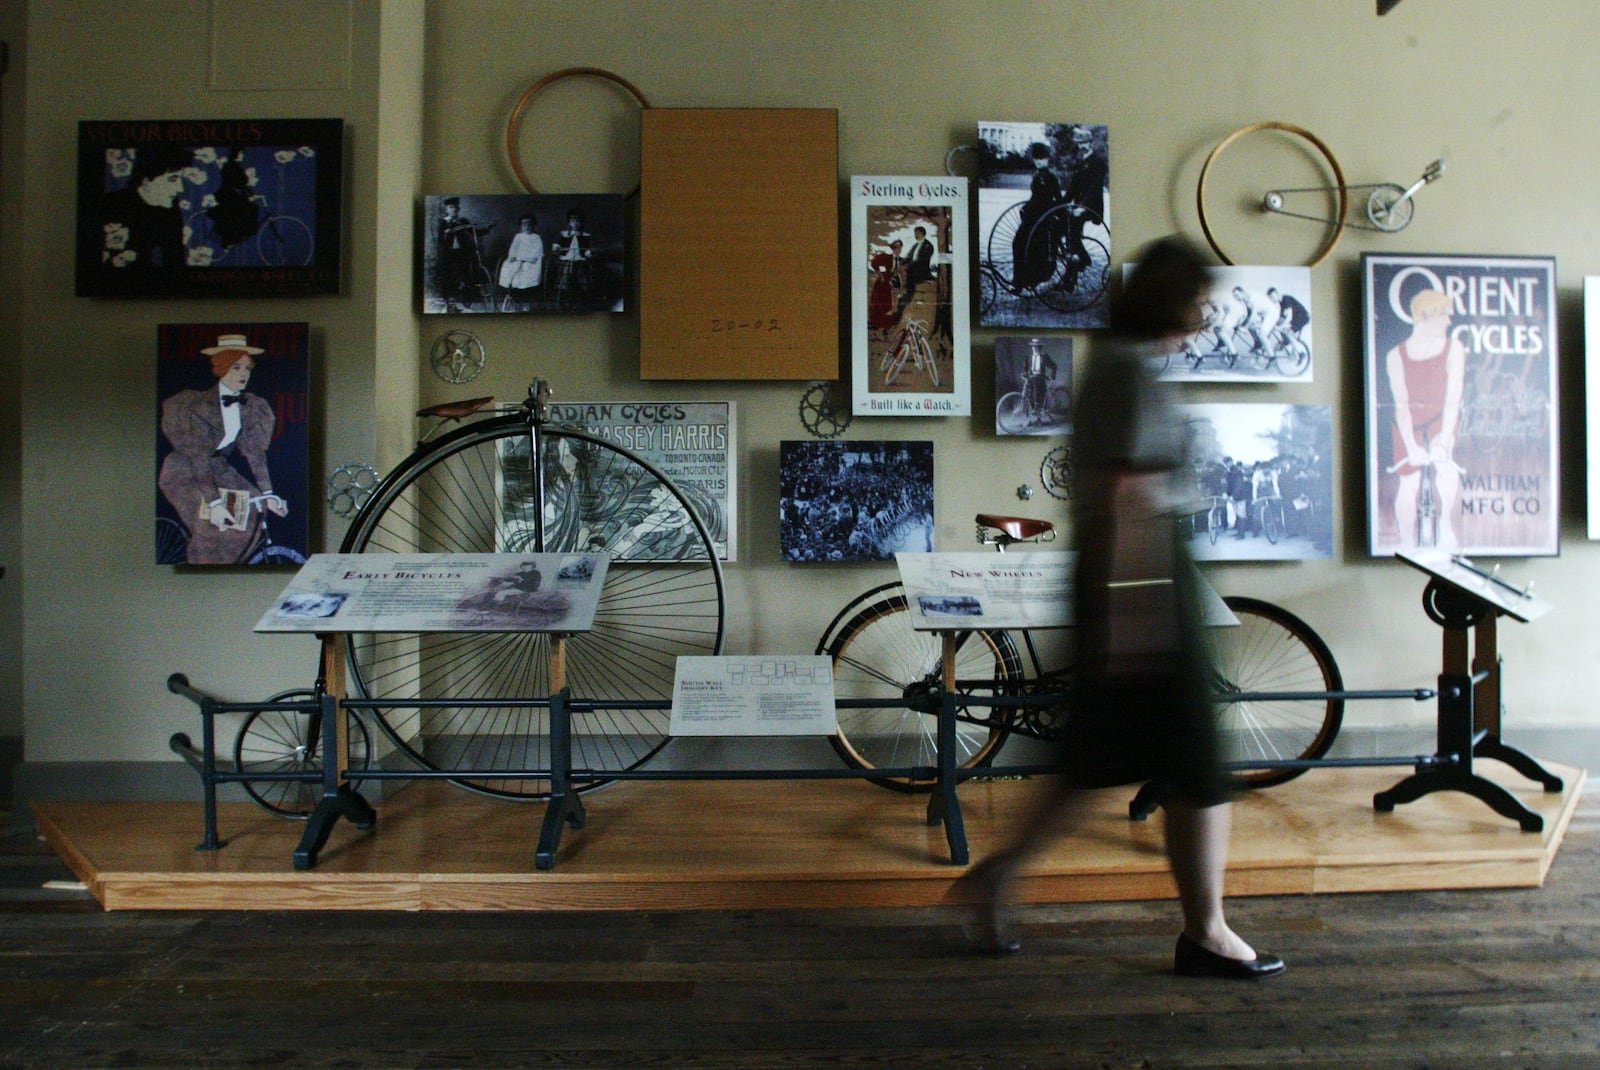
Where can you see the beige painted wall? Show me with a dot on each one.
(1505, 100)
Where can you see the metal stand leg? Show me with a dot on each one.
(208, 770)
(943, 805)
(565, 807)
(338, 798)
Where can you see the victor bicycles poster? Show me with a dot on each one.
(1461, 372)
(209, 208)
(231, 449)
(910, 351)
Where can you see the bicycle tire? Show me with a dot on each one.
(1272, 651)
(926, 349)
(1092, 277)
(1001, 249)
(1011, 414)
(895, 358)
(290, 741)
(1299, 355)
(1214, 524)
(472, 491)
(877, 655)
(1272, 522)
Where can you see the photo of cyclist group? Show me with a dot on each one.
(1262, 482)
(1256, 328)
(854, 501)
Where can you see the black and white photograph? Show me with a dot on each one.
(1044, 224)
(520, 253)
(1263, 482)
(1033, 386)
(854, 501)
(1256, 329)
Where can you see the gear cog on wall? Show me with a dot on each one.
(349, 487)
(457, 357)
(1055, 472)
(822, 411)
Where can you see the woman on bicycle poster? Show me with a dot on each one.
(231, 450)
(909, 331)
(1461, 432)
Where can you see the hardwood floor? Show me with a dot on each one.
(1460, 979)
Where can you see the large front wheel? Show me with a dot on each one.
(877, 656)
(1274, 681)
(499, 487)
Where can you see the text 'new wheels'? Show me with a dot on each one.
(506, 486)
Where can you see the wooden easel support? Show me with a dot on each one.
(565, 806)
(338, 798)
(944, 805)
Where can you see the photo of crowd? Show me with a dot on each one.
(854, 501)
(1262, 482)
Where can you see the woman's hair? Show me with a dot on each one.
(223, 360)
(1161, 295)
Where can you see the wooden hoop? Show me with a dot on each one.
(1300, 132)
(514, 127)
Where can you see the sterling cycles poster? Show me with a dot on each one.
(1461, 367)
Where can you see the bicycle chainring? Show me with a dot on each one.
(822, 412)
(1055, 472)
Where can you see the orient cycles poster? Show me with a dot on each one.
(1461, 365)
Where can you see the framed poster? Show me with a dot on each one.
(209, 208)
(523, 253)
(694, 443)
(1263, 481)
(910, 351)
(739, 243)
(1033, 386)
(1044, 224)
(1461, 372)
(1257, 329)
(231, 449)
(854, 501)
(1591, 383)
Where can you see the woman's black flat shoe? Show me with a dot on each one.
(1192, 960)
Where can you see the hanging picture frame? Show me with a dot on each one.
(214, 208)
(1461, 368)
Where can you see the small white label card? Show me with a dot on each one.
(754, 695)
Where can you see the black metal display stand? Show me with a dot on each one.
(1467, 602)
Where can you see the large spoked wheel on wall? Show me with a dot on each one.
(876, 655)
(475, 491)
(290, 741)
(1274, 675)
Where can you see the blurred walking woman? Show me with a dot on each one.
(1142, 709)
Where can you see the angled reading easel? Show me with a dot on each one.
(1466, 601)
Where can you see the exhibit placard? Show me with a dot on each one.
(986, 590)
(440, 593)
(754, 695)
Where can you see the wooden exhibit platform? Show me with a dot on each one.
(754, 844)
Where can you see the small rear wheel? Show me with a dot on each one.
(290, 741)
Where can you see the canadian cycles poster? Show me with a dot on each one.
(910, 351)
(693, 443)
(232, 444)
(1461, 365)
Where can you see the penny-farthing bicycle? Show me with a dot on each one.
(510, 482)
(1070, 241)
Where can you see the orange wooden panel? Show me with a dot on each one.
(739, 243)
